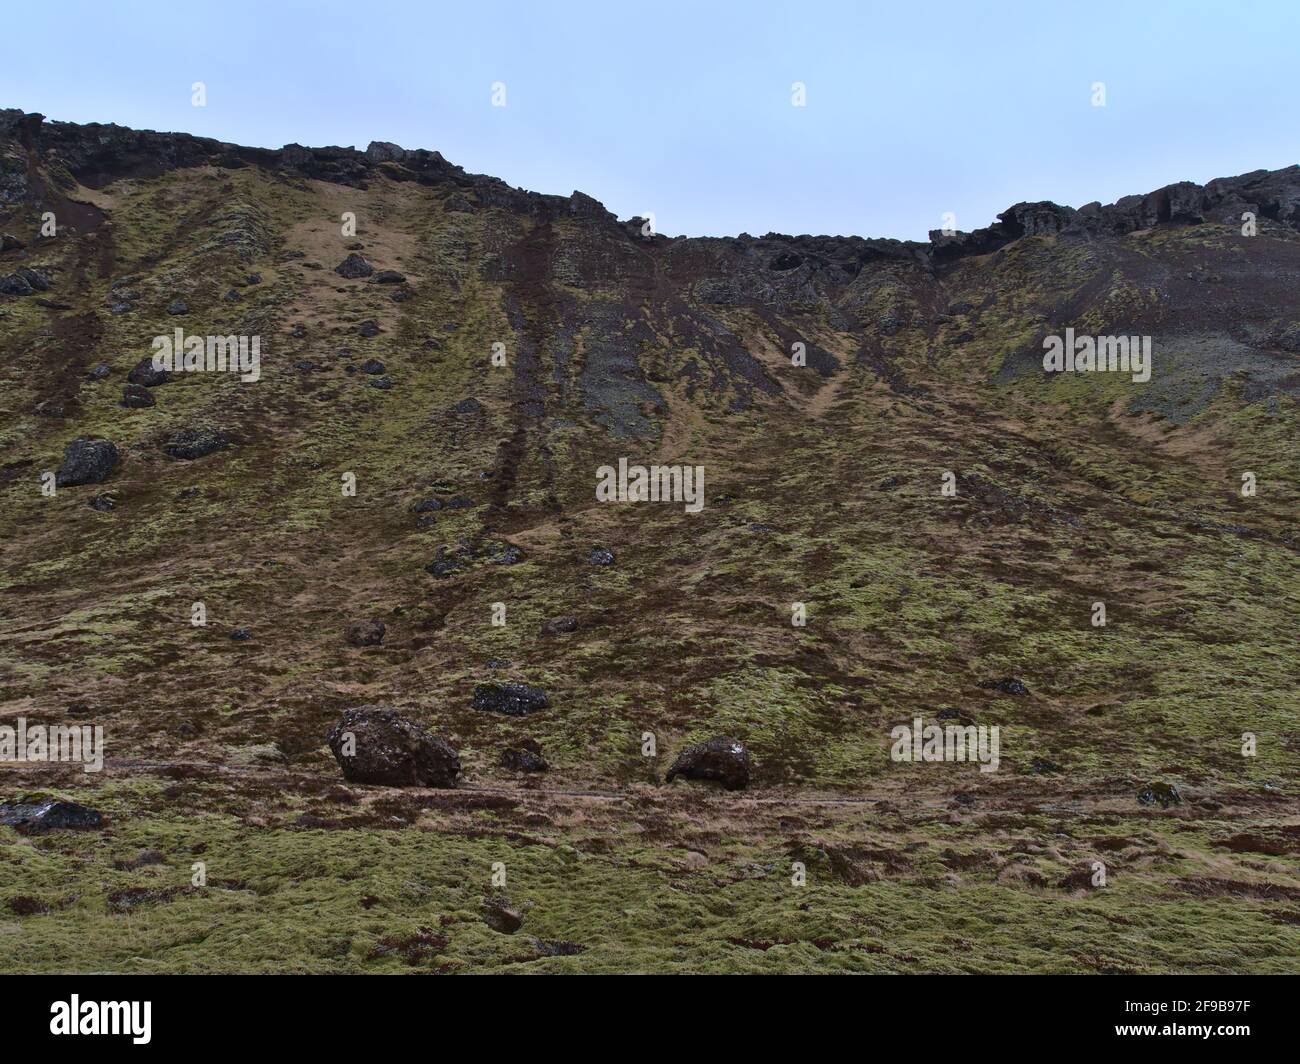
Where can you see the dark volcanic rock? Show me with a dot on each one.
(376, 744)
(241, 635)
(36, 818)
(527, 757)
(146, 374)
(354, 267)
(1166, 794)
(15, 284)
(190, 444)
(372, 365)
(86, 461)
(721, 759)
(601, 556)
(366, 633)
(369, 327)
(178, 306)
(444, 564)
(388, 277)
(560, 626)
(468, 406)
(1008, 686)
(102, 503)
(137, 397)
(512, 699)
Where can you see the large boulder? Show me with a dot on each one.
(721, 759)
(86, 461)
(376, 744)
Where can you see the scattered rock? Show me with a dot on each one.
(512, 699)
(1166, 794)
(241, 635)
(1008, 686)
(501, 916)
(382, 383)
(190, 444)
(721, 759)
(86, 461)
(102, 503)
(388, 277)
(354, 267)
(99, 372)
(36, 818)
(178, 306)
(376, 744)
(468, 406)
(527, 757)
(601, 556)
(425, 506)
(444, 564)
(146, 374)
(369, 327)
(24, 282)
(366, 633)
(137, 397)
(560, 626)
(373, 366)
(14, 284)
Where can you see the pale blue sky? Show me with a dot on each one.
(683, 108)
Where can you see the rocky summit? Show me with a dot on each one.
(952, 584)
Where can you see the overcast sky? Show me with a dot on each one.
(684, 109)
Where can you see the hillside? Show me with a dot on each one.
(475, 484)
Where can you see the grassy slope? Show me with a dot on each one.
(914, 601)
